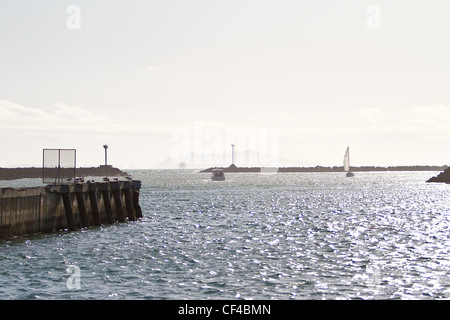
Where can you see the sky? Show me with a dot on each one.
(289, 83)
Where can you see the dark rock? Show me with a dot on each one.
(442, 177)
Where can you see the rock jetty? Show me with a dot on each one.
(233, 168)
(33, 172)
(442, 177)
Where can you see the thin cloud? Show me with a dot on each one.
(10, 111)
(74, 112)
(13, 114)
(70, 118)
(429, 115)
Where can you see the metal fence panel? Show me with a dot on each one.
(58, 165)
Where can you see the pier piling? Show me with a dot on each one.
(81, 205)
(107, 202)
(129, 204)
(137, 208)
(115, 189)
(94, 204)
(64, 191)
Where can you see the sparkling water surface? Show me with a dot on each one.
(378, 235)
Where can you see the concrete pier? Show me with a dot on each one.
(72, 206)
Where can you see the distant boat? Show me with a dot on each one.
(217, 175)
(347, 163)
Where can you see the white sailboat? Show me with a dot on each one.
(347, 164)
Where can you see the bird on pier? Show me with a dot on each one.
(105, 179)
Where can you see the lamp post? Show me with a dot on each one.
(106, 154)
(232, 154)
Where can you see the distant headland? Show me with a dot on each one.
(233, 168)
(33, 172)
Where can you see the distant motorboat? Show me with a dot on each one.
(347, 164)
(217, 174)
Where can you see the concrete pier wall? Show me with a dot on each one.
(73, 206)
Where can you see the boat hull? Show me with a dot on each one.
(349, 174)
(217, 175)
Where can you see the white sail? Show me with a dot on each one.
(347, 160)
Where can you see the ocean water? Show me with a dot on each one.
(378, 235)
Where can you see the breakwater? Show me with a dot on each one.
(233, 168)
(441, 177)
(33, 172)
(28, 211)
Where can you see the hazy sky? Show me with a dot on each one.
(300, 80)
